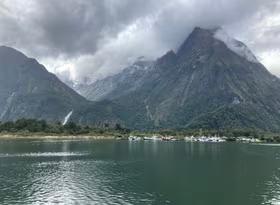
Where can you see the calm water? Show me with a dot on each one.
(121, 172)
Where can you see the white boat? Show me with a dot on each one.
(191, 139)
(204, 139)
(248, 140)
(154, 138)
(134, 138)
(216, 139)
(169, 138)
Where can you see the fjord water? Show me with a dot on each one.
(122, 172)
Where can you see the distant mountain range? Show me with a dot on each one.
(213, 82)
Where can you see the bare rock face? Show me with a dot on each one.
(212, 81)
(28, 90)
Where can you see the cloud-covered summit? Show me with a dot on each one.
(92, 38)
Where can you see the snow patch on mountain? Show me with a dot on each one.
(135, 67)
(236, 46)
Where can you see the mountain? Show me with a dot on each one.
(28, 90)
(117, 85)
(212, 81)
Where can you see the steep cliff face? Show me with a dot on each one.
(28, 90)
(212, 81)
(210, 84)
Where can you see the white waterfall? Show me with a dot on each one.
(67, 117)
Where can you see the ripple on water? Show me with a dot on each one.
(45, 154)
(266, 144)
(70, 182)
(272, 195)
(117, 173)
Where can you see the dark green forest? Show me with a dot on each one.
(30, 126)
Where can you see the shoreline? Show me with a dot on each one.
(56, 137)
(40, 136)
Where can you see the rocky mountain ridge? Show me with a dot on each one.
(212, 81)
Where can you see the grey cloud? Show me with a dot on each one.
(77, 27)
(69, 27)
(269, 39)
(178, 21)
(99, 37)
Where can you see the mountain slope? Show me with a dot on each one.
(212, 81)
(28, 90)
(117, 85)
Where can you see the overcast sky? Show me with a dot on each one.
(95, 38)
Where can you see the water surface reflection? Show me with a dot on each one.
(121, 172)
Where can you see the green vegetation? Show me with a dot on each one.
(41, 127)
(27, 127)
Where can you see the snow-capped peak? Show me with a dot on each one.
(236, 46)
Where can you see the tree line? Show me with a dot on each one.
(29, 126)
(41, 126)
